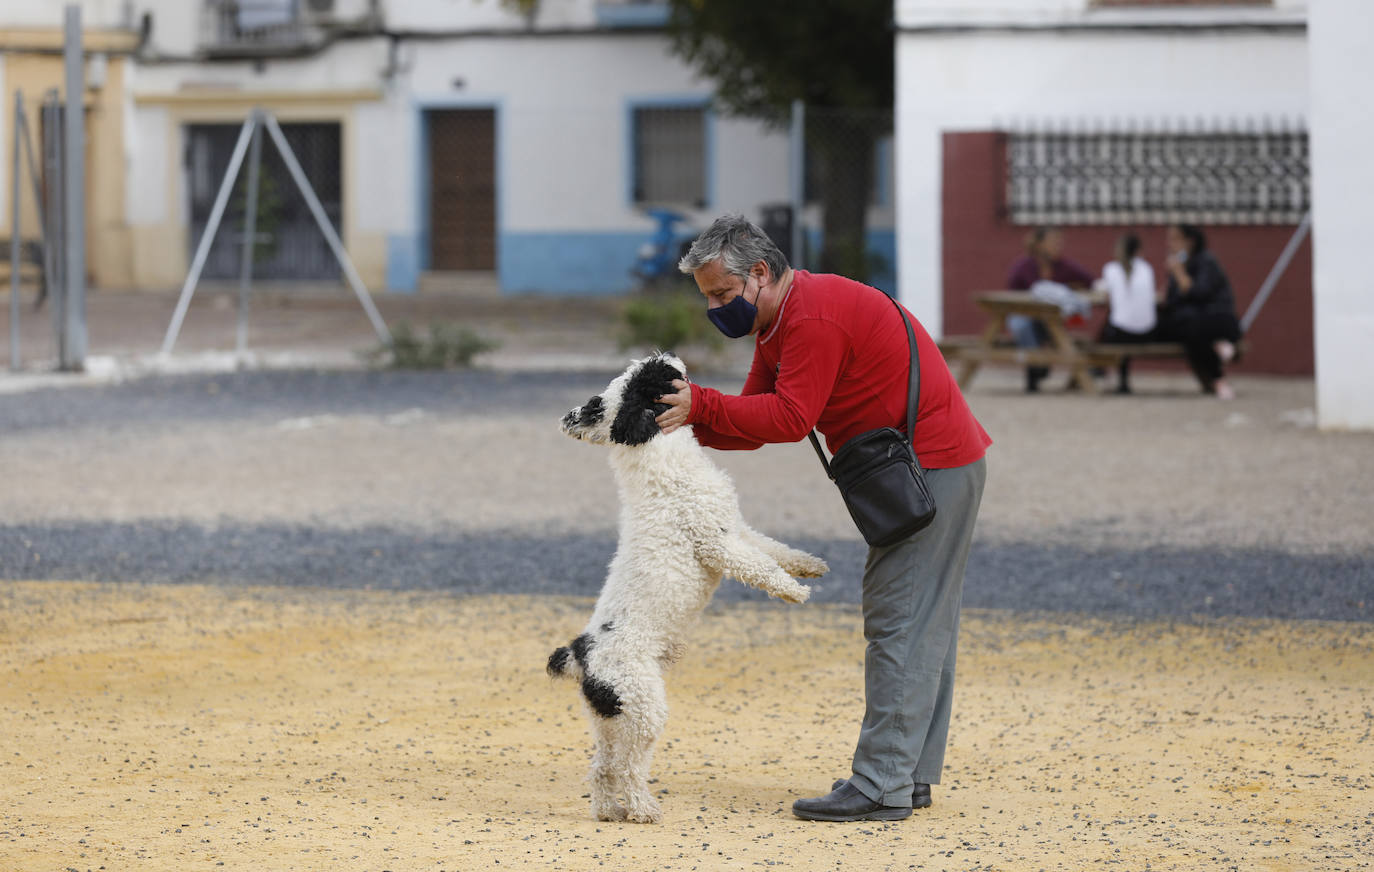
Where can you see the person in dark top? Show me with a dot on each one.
(1199, 308)
(1043, 261)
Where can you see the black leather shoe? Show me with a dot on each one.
(846, 803)
(920, 795)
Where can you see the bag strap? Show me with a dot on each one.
(913, 392)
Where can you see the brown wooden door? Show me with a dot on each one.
(462, 195)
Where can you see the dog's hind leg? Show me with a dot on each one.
(637, 732)
(605, 783)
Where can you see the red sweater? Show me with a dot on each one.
(836, 358)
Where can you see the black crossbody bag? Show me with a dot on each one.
(878, 474)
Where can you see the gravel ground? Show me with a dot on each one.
(196, 675)
(1161, 504)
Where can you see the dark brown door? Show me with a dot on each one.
(462, 195)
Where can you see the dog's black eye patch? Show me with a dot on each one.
(654, 379)
(592, 412)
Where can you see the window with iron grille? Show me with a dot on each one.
(670, 155)
(1240, 176)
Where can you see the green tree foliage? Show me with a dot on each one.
(834, 55)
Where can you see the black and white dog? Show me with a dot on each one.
(680, 533)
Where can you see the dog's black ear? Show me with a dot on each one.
(634, 424)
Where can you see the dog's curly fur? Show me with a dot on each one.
(680, 532)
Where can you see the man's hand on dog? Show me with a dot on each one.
(680, 404)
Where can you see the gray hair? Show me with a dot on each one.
(738, 244)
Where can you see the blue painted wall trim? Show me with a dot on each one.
(882, 172)
(569, 263)
(631, 14)
(882, 247)
(402, 263)
(574, 263)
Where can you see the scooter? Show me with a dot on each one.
(657, 260)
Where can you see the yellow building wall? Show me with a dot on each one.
(121, 255)
(162, 251)
(33, 66)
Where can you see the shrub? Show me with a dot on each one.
(668, 321)
(448, 346)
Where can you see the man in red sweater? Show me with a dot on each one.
(832, 354)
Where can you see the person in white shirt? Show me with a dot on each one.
(1130, 285)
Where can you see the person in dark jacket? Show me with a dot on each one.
(1199, 308)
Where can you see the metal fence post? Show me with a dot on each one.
(56, 262)
(14, 237)
(796, 180)
(250, 227)
(74, 356)
(45, 278)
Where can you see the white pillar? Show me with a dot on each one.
(917, 172)
(1342, 129)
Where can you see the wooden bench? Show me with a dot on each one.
(1079, 354)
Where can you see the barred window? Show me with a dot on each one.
(670, 155)
(1217, 177)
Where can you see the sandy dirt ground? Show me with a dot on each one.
(174, 728)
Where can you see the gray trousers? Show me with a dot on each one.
(911, 597)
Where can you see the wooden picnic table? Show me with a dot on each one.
(1078, 354)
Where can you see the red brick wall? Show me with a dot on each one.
(979, 245)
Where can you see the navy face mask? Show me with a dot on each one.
(735, 318)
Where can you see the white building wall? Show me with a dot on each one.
(1052, 13)
(565, 114)
(452, 15)
(347, 65)
(1342, 128)
(563, 89)
(49, 13)
(175, 27)
(564, 146)
(985, 79)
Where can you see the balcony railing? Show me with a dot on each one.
(255, 27)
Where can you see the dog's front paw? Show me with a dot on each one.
(792, 593)
(807, 566)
